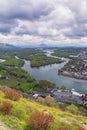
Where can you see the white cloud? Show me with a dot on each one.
(53, 22)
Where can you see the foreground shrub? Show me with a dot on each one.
(11, 94)
(81, 128)
(41, 100)
(50, 101)
(73, 109)
(63, 128)
(62, 106)
(6, 107)
(40, 120)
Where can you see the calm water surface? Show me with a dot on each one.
(50, 72)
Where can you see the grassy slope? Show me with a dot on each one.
(3, 126)
(23, 108)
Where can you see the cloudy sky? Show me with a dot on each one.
(43, 21)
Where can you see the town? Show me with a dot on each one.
(76, 67)
(60, 95)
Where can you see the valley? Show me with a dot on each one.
(40, 85)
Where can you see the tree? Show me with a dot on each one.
(46, 83)
(40, 120)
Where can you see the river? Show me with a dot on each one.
(1, 60)
(50, 72)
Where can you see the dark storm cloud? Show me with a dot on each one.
(48, 19)
(77, 32)
(13, 10)
(23, 9)
(7, 25)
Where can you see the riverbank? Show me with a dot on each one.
(12, 75)
(75, 68)
(65, 77)
(49, 72)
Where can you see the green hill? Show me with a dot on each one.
(23, 108)
(5, 46)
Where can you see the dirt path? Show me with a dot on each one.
(3, 126)
(71, 121)
(85, 126)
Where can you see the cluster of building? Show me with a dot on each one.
(78, 69)
(83, 56)
(68, 96)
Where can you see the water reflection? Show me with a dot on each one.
(50, 72)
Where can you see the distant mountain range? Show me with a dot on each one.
(6, 46)
(43, 45)
(33, 45)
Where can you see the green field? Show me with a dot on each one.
(13, 62)
(9, 82)
(26, 86)
(66, 52)
(14, 77)
(61, 54)
(41, 60)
